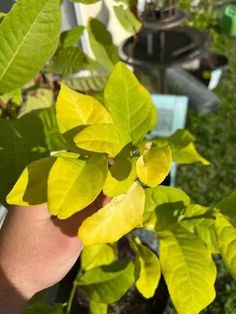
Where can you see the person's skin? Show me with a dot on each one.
(36, 251)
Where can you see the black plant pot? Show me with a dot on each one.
(211, 70)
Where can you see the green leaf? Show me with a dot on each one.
(97, 308)
(14, 96)
(120, 177)
(73, 184)
(226, 236)
(160, 195)
(181, 139)
(86, 84)
(29, 138)
(153, 167)
(129, 103)
(101, 43)
(107, 284)
(127, 18)
(41, 308)
(228, 206)
(39, 99)
(188, 270)
(114, 220)
(100, 138)
(182, 147)
(75, 61)
(31, 187)
(97, 255)
(71, 37)
(188, 155)
(204, 229)
(194, 210)
(2, 15)
(164, 203)
(148, 270)
(27, 22)
(75, 109)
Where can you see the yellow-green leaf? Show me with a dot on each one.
(97, 255)
(75, 109)
(188, 155)
(228, 206)
(129, 103)
(148, 270)
(97, 308)
(100, 138)
(120, 177)
(107, 284)
(73, 184)
(161, 201)
(204, 229)
(153, 167)
(188, 270)
(226, 236)
(31, 187)
(116, 219)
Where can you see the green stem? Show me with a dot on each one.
(71, 298)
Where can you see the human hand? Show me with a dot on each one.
(37, 250)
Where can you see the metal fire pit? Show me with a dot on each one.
(162, 41)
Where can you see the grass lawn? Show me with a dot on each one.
(216, 140)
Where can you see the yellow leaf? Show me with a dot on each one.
(116, 219)
(148, 270)
(31, 187)
(97, 255)
(226, 236)
(73, 184)
(100, 138)
(188, 269)
(75, 109)
(129, 103)
(120, 177)
(153, 167)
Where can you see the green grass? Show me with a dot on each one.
(216, 139)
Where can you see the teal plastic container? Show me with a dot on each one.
(228, 20)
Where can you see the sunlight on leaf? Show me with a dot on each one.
(116, 219)
(97, 308)
(188, 270)
(73, 184)
(75, 109)
(31, 187)
(129, 103)
(100, 138)
(166, 199)
(42, 22)
(120, 177)
(153, 167)
(97, 255)
(148, 270)
(226, 236)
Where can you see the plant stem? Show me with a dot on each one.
(71, 298)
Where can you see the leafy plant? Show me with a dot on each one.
(99, 145)
(188, 234)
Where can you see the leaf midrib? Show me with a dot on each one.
(23, 41)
